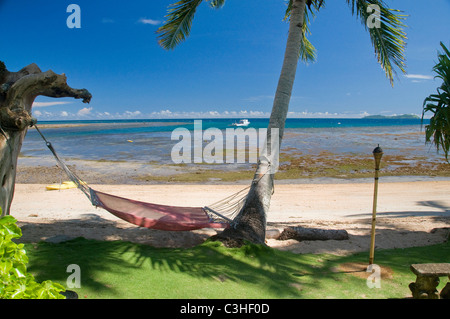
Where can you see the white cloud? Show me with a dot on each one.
(166, 114)
(149, 21)
(306, 114)
(88, 113)
(44, 104)
(258, 98)
(107, 20)
(132, 114)
(84, 111)
(418, 77)
(268, 98)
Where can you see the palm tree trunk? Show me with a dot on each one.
(250, 223)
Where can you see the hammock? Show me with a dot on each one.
(155, 216)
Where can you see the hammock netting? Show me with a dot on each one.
(155, 216)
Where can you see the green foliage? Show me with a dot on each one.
(2, 70)
(438, 131)
(179, 21)
(15, 282)
(388, 40)
(217, 4)
(308, 52)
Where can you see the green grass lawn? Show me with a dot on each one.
(125, 270)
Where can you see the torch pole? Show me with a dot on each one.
(377, 154)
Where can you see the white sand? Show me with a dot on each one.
(409, 214)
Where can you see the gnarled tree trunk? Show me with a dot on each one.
(17, 93)
(250, 223)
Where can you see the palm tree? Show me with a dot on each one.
(438, 131)
(388, 39)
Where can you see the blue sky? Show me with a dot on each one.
(228, 67)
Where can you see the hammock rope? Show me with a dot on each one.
(72, 176)
(228, 208)
(219, 213)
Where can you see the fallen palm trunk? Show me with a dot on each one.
(302, 233)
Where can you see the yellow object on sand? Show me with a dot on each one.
(63, 185)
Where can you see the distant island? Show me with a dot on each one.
(394, 117)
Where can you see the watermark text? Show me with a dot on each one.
(235, 145)
(74, 19)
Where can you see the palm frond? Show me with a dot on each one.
(178, 24)
(438, 131)
(389, 39)
(307, 51)
(442, 68)
(217, 4)
(316, 5)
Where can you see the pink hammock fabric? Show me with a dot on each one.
(155, 216)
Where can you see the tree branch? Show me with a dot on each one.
(17, 93)
(29, 82)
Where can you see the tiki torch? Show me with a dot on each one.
(377, 154)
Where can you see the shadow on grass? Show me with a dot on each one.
(109, 267)
(127, 270)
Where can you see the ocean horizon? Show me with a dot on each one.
(149, 140)
(257, 121)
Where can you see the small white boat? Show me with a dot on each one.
(242, 123)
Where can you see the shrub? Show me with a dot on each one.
(15, 282)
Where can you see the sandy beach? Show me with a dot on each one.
(409, 213)
(329, 190)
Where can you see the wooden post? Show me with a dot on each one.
(377, 154)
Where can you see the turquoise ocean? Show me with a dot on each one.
(149, 141)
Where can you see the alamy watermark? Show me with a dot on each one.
(236, 145)
(74, 279)
(374, 19)
(374, 279)
(74, 19)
